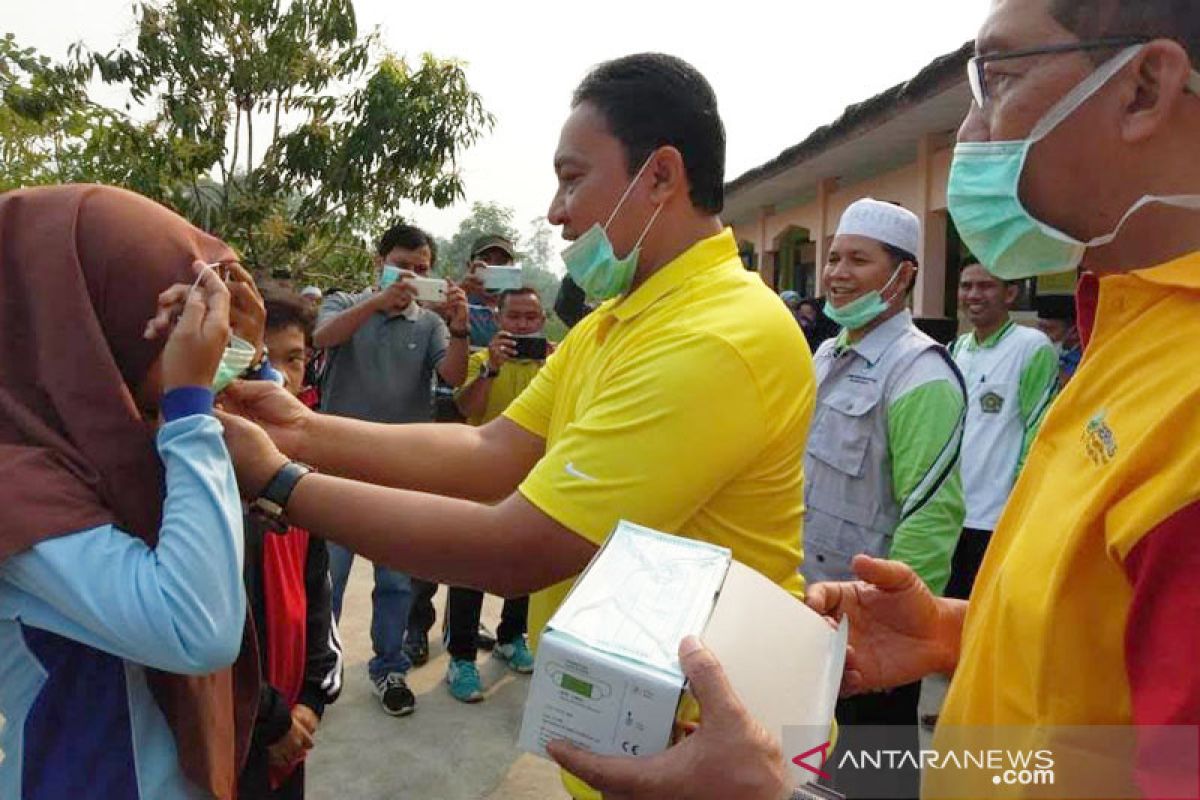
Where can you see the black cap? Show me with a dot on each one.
(489, 242)
(1055, 306)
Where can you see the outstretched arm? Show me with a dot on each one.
(484, 464)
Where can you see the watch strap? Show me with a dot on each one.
(273, 499)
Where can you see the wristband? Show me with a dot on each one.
(186, 401)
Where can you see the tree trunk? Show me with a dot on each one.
(237, 140)
(249, 140)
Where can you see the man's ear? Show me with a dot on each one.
(913, 269)
(1011, 292)
(1158, 83)
(668, 174)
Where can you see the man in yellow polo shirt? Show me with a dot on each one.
(1077, 653)
(681, 403)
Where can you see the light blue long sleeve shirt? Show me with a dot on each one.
(119, 607)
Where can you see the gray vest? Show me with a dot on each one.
(851, 507)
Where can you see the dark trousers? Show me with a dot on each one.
(896, 709)
(968, 556)
(254, 782)
(421, 616)
(463, 607)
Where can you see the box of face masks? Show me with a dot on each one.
(607, 675)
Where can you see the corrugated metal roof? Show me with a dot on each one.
(934, 79)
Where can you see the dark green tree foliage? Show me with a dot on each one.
(535, 252)
(273, 124)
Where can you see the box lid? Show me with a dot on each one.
(643, 593)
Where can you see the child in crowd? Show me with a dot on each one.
(121, 604)
(288, 588)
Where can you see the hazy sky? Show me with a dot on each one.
(779, 68)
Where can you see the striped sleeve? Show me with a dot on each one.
(324, 662)
(925, 429)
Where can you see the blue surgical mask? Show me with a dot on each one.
(862, 311)
(237, 358)
(984, 194)
(389, 275)
(590, 259)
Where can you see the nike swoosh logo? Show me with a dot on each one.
(575, 473)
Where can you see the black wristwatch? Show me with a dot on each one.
(460, 334)
(489, 371)
(273, 499)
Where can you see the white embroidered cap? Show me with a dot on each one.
(884, 222)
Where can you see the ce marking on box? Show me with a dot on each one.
(629, 748)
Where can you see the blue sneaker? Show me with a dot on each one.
(517, 654)
(463, 678)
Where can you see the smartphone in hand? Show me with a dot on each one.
(501, 278)
(429, 290)
(532, 348)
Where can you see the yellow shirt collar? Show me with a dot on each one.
(700, 257)
(1182, 273)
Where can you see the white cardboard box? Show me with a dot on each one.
(607, 674)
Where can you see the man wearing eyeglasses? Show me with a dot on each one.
(1081, 151)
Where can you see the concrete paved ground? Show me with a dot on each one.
(447, 750)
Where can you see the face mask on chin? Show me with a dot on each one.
(590, 259)
(862, 311)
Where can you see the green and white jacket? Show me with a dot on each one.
(1012, 377)
(882, 463)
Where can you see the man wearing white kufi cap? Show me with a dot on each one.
(881, 466)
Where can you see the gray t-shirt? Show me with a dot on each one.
(385, 372)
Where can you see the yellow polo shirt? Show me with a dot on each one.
(683, 406)
(514, 376)
(1117, 454)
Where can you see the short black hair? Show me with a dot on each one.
(285, 309)
(973, 262)
(524, 290)
(899, 255)
(409, 237)
(1156, 19)
(652, 100)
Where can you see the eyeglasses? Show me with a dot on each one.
(977, 66)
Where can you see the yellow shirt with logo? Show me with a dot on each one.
(1117, 454)
(514, 376)
(683, 406)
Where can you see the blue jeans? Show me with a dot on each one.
(390, 602)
